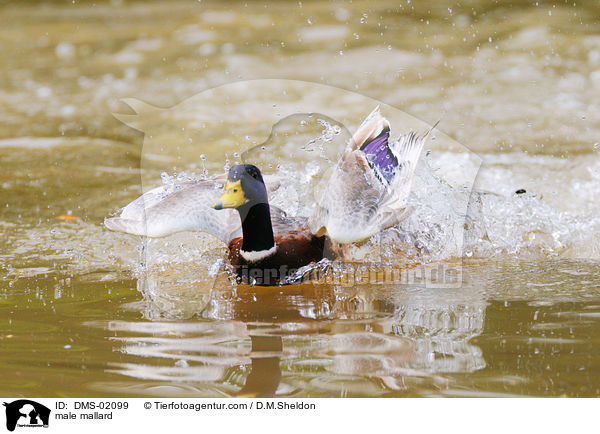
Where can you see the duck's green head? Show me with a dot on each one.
(245, 186)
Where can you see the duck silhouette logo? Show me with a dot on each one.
(26, 413)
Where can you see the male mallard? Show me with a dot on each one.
(366, 193)
(259, 256)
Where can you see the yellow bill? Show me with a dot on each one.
(232, 198)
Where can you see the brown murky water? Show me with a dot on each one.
(517, 83)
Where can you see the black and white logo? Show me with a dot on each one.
(26, 413)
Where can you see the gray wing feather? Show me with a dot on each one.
(355, 204)
(186, 207)
(174, 208)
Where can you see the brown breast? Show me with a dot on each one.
(294, 250)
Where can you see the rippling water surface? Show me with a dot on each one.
(88, 312)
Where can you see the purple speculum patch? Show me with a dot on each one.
(380, 157)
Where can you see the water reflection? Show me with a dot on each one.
(265, 370)
(315, 340)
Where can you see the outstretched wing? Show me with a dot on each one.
(185, 206)
(370, 184)
(175, 208)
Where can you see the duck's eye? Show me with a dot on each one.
(235, 190)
